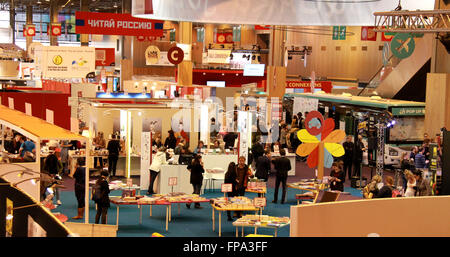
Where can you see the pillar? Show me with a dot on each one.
(84, 7)
(54, 10)
(185, 67)
(276, 71)
(437, 103)
(29, 21)
(12, 20)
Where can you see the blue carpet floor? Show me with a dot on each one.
(188, 223)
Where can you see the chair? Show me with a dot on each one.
(216, 174)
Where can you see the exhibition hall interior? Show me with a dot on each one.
(256, 118)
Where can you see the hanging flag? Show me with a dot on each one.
(342, 32)
(386, 37)
(237, 34)
(200, 34)
(335, 32)
(367, 34)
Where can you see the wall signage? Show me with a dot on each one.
(402, 45)
(116, 24)
(408, 111)
(152, 55)
(175, 55)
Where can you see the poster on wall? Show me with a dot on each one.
(163, 60)
(303, 104)
(407, 128)
(105, 56)
(218, 56)
(186, 50)
(152, 55)
(145, 159)
(64, 61)
(153, 125)
(181, 125)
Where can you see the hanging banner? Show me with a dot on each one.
(296, 13)
(200, 34)
(116, 24)
(323, 85)
(237, 34)
(64, 61)
(303, 104)
(224, 38)
(105, 57)
(186, 50)
(367, 34)
(145, 159)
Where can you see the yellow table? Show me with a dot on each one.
(256, 226)
(219, 209)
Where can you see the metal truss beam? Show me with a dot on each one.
(435, 21)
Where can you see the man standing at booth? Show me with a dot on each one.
(113, 155)
(282, 167)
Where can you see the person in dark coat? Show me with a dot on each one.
(348, 157)
(80, 177)
(257, 149)
(197, 170)
(282, 166)
(337, 177)
(229, 140)
(102, 204)
(113, 155)
(358, 156)
(171, 140)
(386, 190)
(263, 166)
(230, 178)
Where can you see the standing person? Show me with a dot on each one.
(230, 178)
(414, 151)
(386, 190)
(9, 135)
(301, 121)
(15, 145)
(99, 143)
(103, 198)
(263, 166)
(358, 156)
(113, 155)
(79, 176)
(229, 140)
(65, 146)
(337, 177)
(348, 157)
(156, 142)
(283, 134)
(155, 168)
(420, 160)
(197, 170)
(171, 140)
(257, 149)
(422, 184)
(243, 173)
(54, 167)
(282, 166)
(411, 184)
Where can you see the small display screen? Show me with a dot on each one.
(254, 70)
(215, 83)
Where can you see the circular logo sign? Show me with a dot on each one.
(57, 59)
(31, 32)
(402, 45)
(152, 55)
(175, 55)
(56, 31)
(220, 39)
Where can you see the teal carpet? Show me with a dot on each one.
(188, 223)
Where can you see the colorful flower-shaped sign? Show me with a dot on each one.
(318, 130)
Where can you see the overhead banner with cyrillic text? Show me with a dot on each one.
(116, 24)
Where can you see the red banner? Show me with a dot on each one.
(367, 34)
(259, 27)
(116, 24)
(223, 38)
(324, 85)
(105, 57)
(148, 7)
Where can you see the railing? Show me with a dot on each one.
(23, 207)
(381, 73)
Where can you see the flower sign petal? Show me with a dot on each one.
(328, 159)
(327, 127)
(306, 148)
(335, 137)
(313, 158)
(305, 137)
(335, 149)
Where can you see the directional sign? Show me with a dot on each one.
(402, 45)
